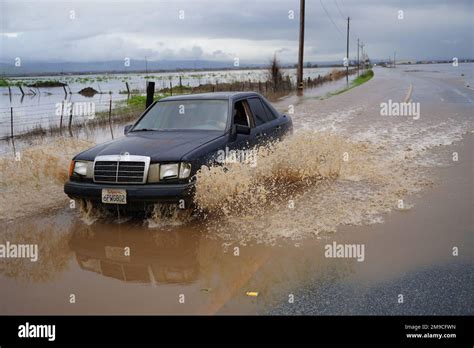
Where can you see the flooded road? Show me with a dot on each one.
(349, 175)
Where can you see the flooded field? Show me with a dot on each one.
(350, 173)
(41, 106)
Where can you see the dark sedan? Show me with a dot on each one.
(157, 158)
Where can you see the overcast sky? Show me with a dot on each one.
(252, 30)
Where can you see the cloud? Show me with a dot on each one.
(222, 30)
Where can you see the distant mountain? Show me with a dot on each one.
(117, 66)
(29, 68)
(41, 68)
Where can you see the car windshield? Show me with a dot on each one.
(185, 114)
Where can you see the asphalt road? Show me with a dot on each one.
(438, 290)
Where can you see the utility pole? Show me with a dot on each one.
(394, 55)
(358, 64)
(299, 77)
(347, 52)
(146, 66)
(362, 55)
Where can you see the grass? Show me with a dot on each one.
(177, 90)
(140, 100)
(6, 83)
(356, 82)
(363, 78)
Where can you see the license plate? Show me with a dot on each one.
(114, 196)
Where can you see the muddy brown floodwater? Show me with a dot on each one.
(348, 175)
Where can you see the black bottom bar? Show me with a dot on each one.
(139, 330)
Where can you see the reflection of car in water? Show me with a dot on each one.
(154, 257)
(159, 155)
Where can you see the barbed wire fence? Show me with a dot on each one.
(60, 117)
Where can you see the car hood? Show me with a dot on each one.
(159, 145)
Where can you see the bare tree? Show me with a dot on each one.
(275, 76)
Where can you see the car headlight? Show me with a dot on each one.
(169, 171)
(174, 171)
(83, 168)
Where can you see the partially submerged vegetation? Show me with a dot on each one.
(9, 83)
(140, 100)
(361, 79)
(47, 83)
(88, 92)
(35, 84)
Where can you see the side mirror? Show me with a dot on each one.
(127, 128)
(240, 129)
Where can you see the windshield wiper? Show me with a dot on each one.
(144, 130)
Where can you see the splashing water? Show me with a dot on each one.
(307, 184)
(283, 168)
(166, 215)
(90, 213)
(34, 179)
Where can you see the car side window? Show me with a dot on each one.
(270, 114)
(241, 116)
(258, 111)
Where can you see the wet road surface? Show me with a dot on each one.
(126, 267)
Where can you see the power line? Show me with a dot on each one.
(342, 16)
(327, 13)
(334, 23)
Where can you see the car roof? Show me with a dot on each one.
(214, 95)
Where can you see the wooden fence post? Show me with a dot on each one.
(61, 119)
(110, 116)
(70, 119)
(11, 121)
(150, 92)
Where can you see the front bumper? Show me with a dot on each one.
(146, 193)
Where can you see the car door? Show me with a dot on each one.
(278, 123)
(264, 129)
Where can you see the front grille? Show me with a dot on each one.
(119, 171)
